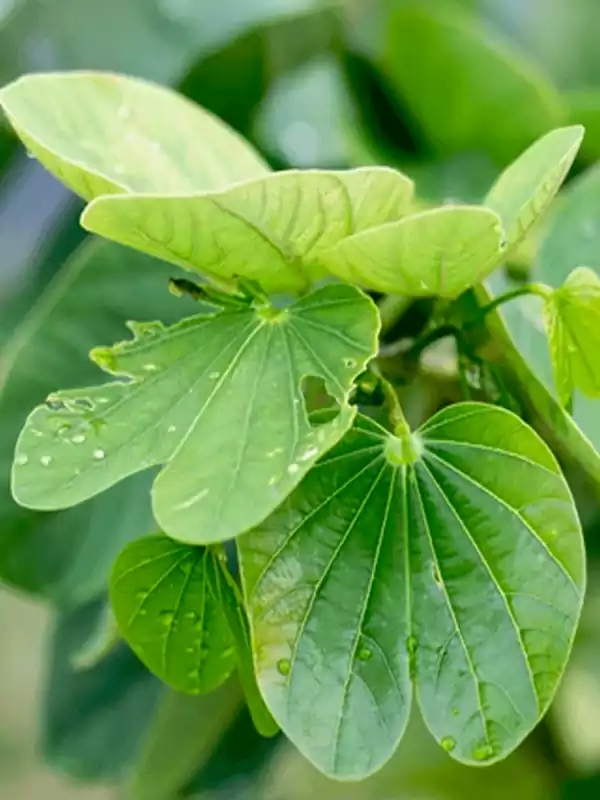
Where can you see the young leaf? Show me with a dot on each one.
(526, 188)
(218, 399)
(101, 133)
(167, 600)
(572, 315)
(439, 252)
(461, 573)
(271, 230)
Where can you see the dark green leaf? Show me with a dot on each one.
(168, 603)
(466, 89)
(218, 398)
(376, 574)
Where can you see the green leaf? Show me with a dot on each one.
(67, 556)
(439, 252)
(376, 574)
(271, 230)
(466, 89)
(106, 134)
(167, 600)
(102, 641)
(526, 188)
(218, 399)
(573, 321)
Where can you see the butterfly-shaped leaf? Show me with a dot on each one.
(439, 252)
(459, 570)
(271, 230)
(572, 315)
(526, 188)
(216, 398)
(101, 133)
(168, 603)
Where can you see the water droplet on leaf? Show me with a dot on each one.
(45, 461)
(99, 454)
(79, 438)
(455, 712)
(284, 666)
(171, 429)
(191, 615)
(365, 654)
(350, 363)
(150, 367)
(293, 469)
(214, 375)
(448, 743)
(166, 617)
(483, 752)
(21, 460)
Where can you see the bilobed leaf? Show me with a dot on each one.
(526, 188)
(271, 230)
(461, 573)
(218, 399)
(466, 89)
(573, 322)
(439, 252)
(101, 133)
(167, 600)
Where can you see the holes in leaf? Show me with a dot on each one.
(319, 405)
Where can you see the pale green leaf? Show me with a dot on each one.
(439, 252)
(218, 399)
(167, 600)
(526, 188)
(101, 133)
(461, 573)
(102, 641)
(466, 89)
(271, 230)
(573, 322)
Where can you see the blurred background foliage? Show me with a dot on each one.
(448, 91)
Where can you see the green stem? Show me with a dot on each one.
(402, 449)
(538, 289)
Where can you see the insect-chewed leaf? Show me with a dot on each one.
(461, 572)
(218, 399)
(572, 315)
(441, 252)
(526, 188)
(167, 600)
(271, 230)
(101, 133)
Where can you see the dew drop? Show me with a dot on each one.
(99, 454)
(191, 615)
(273, 480)
(293, 469)
(350, 363)
(150, 367)
(365, 654)
(448, 743)
(228, 652)
(166, 617)
(79, 438)
(62, 429)
(171, 429)
(142, 612)
(312, 451)
(45, 461)
(483, 752)
(189, 649)
(284, 666)
(194, 675)
(103, 400)
(21, 460)
(141, 595)
(214, 375)
(455, 712)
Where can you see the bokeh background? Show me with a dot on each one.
(448, 91)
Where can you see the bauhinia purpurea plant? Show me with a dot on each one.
(310, 540)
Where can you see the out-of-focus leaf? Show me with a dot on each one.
(198, 391)
(273, 230)
(307, 118)
(103, 640)
(101, 133)
(584, 109)
(572, 315)
(168, 602)
(440, 252)
(95, 721)
(466, 89)
(67, 556)
(526, 188)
